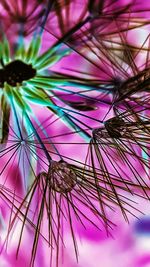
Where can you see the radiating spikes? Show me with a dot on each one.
(20, 51)
(58, 45)
(5, 118)
(33, 50)
(75, 120)
(78, 185)
(45, 56)
(51, 58)
(5, 51)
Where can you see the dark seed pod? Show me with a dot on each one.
(2, 77)
(100, 133)
(114, 127)
(61, 177)
(16, 72)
